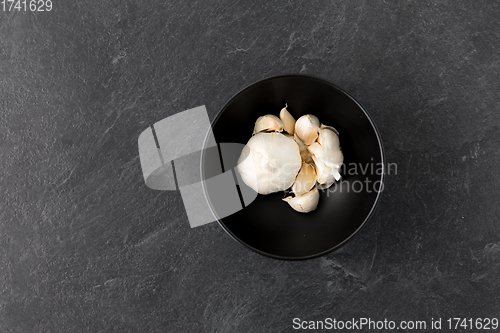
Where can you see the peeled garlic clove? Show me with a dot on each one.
(304, 203)
(268, 123)
(305, 180)
(304, 153)
(288, 120)
(307, 128)
(269, 162)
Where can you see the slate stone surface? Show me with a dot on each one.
(86, 247)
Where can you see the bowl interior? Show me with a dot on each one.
(268, 225)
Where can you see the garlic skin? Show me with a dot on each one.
(307, 128)
(269, 162)
(305, 203)
(268, 123)
(305, 180)
(288, 121)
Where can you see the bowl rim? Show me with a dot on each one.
(381, 149)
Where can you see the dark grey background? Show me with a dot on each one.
(86, 247)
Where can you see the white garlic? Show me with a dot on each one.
(327, 156)
(269, 162)
(305, 180)
(288, 120)
(324, 174)
(328, 136)
(268, 123)
(307, 128)
(325, 185)
(304, 153)
(316, 149)
(282, 153)
(329, 140)
(332, 157)
(304, 203)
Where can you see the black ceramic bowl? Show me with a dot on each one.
(269, 225)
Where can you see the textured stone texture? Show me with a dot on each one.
(85, 246)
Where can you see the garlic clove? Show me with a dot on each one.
(329, 180)
(327, 148)
(288, 120)
(324, 172)
(316, 149)
(305, 180)
(336, 174)
(304, 153)
(304, 203)
(325, 185)
(268, 123)
(269, 162)
(333, 157)
(331, 128)
(328, 137)
(307, 128)
(327, 157)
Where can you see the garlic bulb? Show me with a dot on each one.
(268, 123)
(307, 128)
(304, 203)
(269, 162)
(305, 180)
(288, 120)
